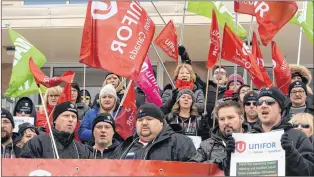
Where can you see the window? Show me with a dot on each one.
(78, 1)
(41, 2)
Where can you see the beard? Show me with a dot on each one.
(5, 138)
(147, 133)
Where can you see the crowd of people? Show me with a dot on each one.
(86, 129)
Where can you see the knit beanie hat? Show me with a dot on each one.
(232, 78)
(24, 106)
(26, 125)
(149, 109)
(109, 73)
(6, 114)
(297, 84)
(108, 89)
(250, 96)
(104, 117)
(186, 91)
(294, 74)
(274, 93)
(62, 107)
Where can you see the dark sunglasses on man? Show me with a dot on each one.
(250, 103)
(296, 125)
(268, 102)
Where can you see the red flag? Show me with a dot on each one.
(116, 37)
(272, 16)
(42, 79)
(244, 7)
(125, 122)
(214, 49)
(235, 50)
(260, 61)
(167, 40)
(281, 69)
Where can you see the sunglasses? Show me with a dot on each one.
(250, 103)
(296, 125)
(268, 102)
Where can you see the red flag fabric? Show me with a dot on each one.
(116, 37)
(244, 7)
(281, 69)
(260, 61)
(167, 40)
(41, 78)
(235, 50)
(271, 16)
(125, 122)
(214, 49)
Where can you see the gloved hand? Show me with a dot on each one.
(230, 145)
(287, 143)
(175, 94)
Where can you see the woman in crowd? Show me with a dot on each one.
(184, 117)
(304, 122)
(243, 90)
(87, 99)
(231, 79)
(108, 102)
(115, 80)
(26, 132)
(82, 108)
(50, 100)
(184, 79)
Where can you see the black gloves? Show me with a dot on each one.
(287, 144)
(184, 55)
(175, 94)
(230, 145)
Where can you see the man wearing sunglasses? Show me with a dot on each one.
(297, 95)
(250, 108)
(298, 148)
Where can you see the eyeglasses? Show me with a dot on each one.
(220, 73)
(296, 125)
(268, 102)
(55, 96)
(250, 103)
(295, 92)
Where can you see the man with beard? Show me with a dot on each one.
(297, 95)
(250, 108)
(65, 118)
(298, 149)
(154, 139)
(215, 148)
(8, 149)
(103, 130)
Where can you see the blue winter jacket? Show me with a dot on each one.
(85, 130)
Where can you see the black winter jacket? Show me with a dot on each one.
(168, 146)
(96, 154)
(212, 150)
(301, 161)
(194, 126)
(68, 148)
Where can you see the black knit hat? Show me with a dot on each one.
(62, 107)
(294, 74)
(104, 117)
(26, 125)
(149, 109)
(274, 93)
(6, 114)
(297, 84)
(108, 73)
(250, 96)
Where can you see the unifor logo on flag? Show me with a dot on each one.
(167, 40)
(116, 37)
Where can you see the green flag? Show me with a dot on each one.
(307, 24)
(204, 8)
(22, 82)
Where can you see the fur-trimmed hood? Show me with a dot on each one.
(304, 72)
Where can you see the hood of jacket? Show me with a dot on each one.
(33, 113)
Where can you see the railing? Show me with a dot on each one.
(104, 167)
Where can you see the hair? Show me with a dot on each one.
(222, 67)
(305, 118)
(229, 103)
(77, 88)
(188, 67)
(176, 109)
(50, 91)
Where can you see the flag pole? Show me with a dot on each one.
(183, 20)
(216, 99)
(164, 67)
(249, 45)
(301, 32)
(84, 81)
(122, 101)
(235, 65)
(49, 125)
(206, 93)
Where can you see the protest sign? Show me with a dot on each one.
(20, 120)
(196, 141)
(258, 154)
